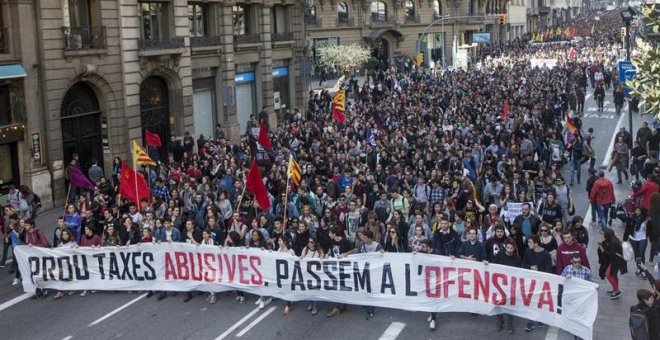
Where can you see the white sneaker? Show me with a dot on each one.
(259, 301)
(429, 319)
(268, 300)
(15, 282)
(84, 293)
(432, 325)
(261, 304)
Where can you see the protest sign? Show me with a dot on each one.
(413, 282)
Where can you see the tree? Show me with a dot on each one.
(646, 59)
(345, 57)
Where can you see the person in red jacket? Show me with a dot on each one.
(602, 193)
(650, 186)
(89, 239)
(568, 249)
(35, 238)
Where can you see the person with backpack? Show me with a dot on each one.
(644, 319)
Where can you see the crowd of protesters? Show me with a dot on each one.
(425, 162)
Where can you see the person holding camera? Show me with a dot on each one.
(645, 316)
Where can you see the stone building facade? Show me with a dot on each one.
(85, 77)
(392, 27)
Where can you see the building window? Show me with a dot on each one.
(279, 19)
(473, 7)
(198, 19)
(80, 13)
(153, 20)
(378, 11)
(241, 19)
(342, 12)
(437, 9)
(310, 14)
(410, 10)
(5, 106)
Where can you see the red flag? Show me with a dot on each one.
(263, 140)
(152, 139)
(255, 184)
(338, 115)
(132, 185)
(505, 110)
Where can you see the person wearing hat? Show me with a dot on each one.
(602, 193)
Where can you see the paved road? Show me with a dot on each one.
(132, 316)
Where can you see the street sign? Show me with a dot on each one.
(626, 71)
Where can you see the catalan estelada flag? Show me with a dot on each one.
(293, 171)
(140, 157)
(339, 106)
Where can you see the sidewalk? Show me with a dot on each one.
(612, 318)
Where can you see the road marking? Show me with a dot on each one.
(588, 96)
(239, 323)
(393, 331)
(15, 300)
(608, 154)
(101, 319)
(553, 333)
(68, 337)
(255, 322)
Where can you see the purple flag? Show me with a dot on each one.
(78, 179)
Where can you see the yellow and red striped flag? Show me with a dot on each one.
(140, 157)
(293, 171)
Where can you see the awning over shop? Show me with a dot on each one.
(12, 71)
(378, 33)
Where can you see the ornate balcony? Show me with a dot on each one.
(381, 20)
(84, 38)
(346, 22)
(544, 10)
(412, 19)
(161, 44)
(314, 22)
(284, 36)
(214, 40)
(247, 39)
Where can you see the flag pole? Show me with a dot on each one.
(286, 196)
(137, 173)
(66, 201)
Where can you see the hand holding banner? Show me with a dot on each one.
(413, 282)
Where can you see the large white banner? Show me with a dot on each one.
(414, 282)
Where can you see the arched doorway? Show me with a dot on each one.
(81, 126)
(154, 110)
(380, 50)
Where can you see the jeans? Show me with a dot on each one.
(622, 167)
(580, 106)
(618, 108)
(636, 168)
(603, 215)
(639, 248)
(5, 249)
(507, 319)
(575, 168)
(532, 324)
(594, 211)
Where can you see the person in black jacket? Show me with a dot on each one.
(538, 259)
(619, 97)
(445, 240)
(648, 306)
(508, 257)
(590, 184)
(610, 256)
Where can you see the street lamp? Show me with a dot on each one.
(627, 16)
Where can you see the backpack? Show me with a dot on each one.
(638, 323)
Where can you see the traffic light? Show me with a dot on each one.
(502, 19)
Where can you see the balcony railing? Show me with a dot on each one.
(313, 22)
(346, 22)
(377, 19)
(84, 38)
(283, 36)
(161, 44)
(214, 40)
(4, 40)
(412, 19)
(247, 39)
